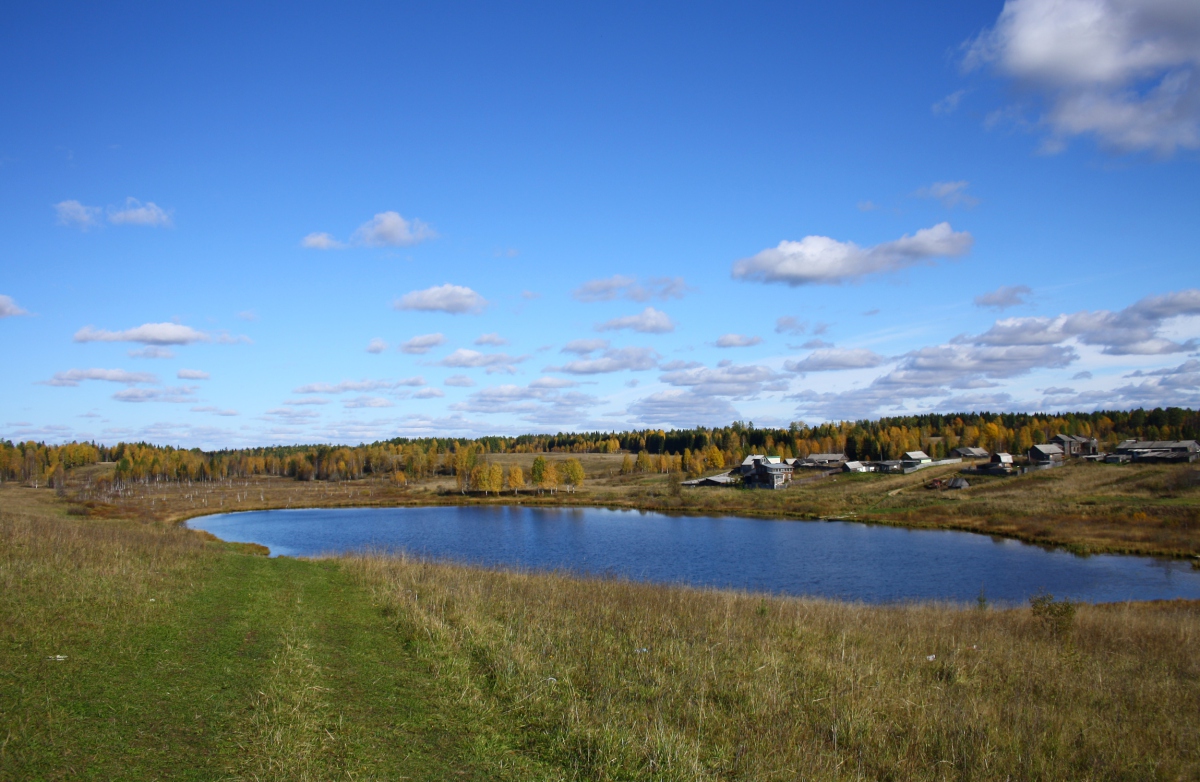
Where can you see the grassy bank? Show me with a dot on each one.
(1088, 507)
(137, 650)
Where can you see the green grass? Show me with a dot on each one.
(187, 658)
(242, 667)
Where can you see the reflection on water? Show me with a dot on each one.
(833, 559)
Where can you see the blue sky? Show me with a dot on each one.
(225, 225)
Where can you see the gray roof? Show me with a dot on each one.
(914, 455)
(970, 450)
(1158, 445)
(1048, 449)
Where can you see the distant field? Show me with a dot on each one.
(1090, 507)
(133, 649)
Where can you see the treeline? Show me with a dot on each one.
(679, 450)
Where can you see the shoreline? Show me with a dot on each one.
(1078, 549)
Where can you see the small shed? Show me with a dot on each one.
(917, 457)
(855, 466)
(971, 452)
(1047, 453)
(958, 483)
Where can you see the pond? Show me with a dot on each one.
(833, 559)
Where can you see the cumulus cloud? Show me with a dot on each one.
(951, 194)
(728, 380)
(73, 377)
(790, 325)
(1004, 297)
(492, 339)
(493, 362)
(1134, 330)
(321, 241)
(423, 343)
(389, 229)
(134, 212)
(192, 374)
(214, 410)
(362, 402)
(152, 351)
(358, 385)
(584, 346)
(376, 346)
(612, 360)
(827, 359)
(681, 409)
(553, 382)
(454, 299)
(9, 308)
(537, 404)
(817, 260)
(1126, 73)
(429, 393)
(459, 381)
(77, 215)
(620, 286)
(648, 321)
(178, 395)
(147, 334)
(737, 341)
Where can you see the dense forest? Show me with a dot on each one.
(688, 450)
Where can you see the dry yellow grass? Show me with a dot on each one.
(617, 680)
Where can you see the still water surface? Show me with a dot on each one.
(822, 558)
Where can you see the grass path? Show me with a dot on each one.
(266, 669)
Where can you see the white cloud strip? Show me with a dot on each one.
(821, 260)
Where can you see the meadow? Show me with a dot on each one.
(134, 649)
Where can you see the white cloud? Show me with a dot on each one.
(493, 362)
(192, 374)
(454, 299)
(147, 334)
(134, 212)
(648, 321)
(177, 395)
(492, 339)
(948, 104)
(737, 341)
(1126, 72)
(376, 346)
(321, 241)
(729, 380)
(682, 409)
(363, 402)
(389, 229)
(358, 385)
(459, 381)
(537, 404)
(214, 410)
(73, 377)
(9, 308)
(1131, 331)
(612, 360)
(1005, 296)
(951, 194)
(826, 359)
(820, 260)
(790, 325)
(152, 351)
(553, 382)
(423, 343)
(429, 393)
(77, 215)
(310, 401)
(584, 346)
(620, 286)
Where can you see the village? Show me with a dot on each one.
(759, 471)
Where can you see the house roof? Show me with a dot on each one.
(970, 450)
(914, 455)
(1002, 458)
(825, 457)
(1048, 449)
(1158, 445)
